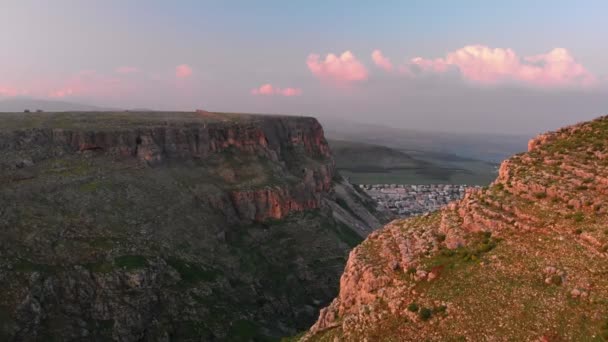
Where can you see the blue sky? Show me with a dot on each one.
(255, 56)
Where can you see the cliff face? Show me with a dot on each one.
(523, 259)
(169, 226)
(297, 145)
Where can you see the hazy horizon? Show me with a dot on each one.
(412, 65)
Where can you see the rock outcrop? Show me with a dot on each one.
(169, 226)
(523, 259)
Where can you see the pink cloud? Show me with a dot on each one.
(9, 91)
(89, 83)
(268, 89)
(290, 91)
(127, 70)
(381, 61)
(345, 68)
(183, 71)
(485, 65)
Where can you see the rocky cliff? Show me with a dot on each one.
(169, 226)
(523, 259)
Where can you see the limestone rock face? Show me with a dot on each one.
(169, 226)
(535, 238)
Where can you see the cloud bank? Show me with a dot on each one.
(484, 65)
(343, 68)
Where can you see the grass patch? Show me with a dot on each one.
(481, 243)
(192, 273)
(131, 262)
(99, 267)
(27, 266)
(90, 187)
(577, 216)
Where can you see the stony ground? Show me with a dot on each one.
(521, 260)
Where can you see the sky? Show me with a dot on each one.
(513, 67)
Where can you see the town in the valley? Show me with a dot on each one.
(406, 200)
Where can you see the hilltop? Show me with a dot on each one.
(179, 226)
(523, 259)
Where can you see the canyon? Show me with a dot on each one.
(158, 226)
(523, 259)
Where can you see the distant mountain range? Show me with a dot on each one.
(364, 163)
(20, 104)
(479, 146)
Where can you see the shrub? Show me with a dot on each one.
(440, 237)
(411, 270)
(557, 280)
(578, 216)
(578, 231)
(540, 195)
(425, 314)
(413, 307)
(581, 188)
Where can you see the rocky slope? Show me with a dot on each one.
(521, 260)
(169, 226)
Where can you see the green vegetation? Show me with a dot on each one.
(100, 267)
(425, 314)
(295, 338)
(578, 216)
(344, 232)
(413, 307)
(90, 187)
(117, 120)
(192, 273)
(480, 244)
(24, 265)
(131, 262)
(245, 331)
